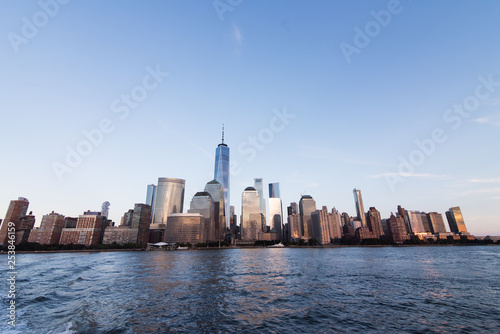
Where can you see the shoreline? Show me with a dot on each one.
(238, 247)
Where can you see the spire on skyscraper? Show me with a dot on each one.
(222, 133)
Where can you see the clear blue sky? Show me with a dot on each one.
(355, 117)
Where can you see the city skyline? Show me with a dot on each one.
(406, 117)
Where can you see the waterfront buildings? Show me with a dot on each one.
(222, 173)
(185, 228)
(138, 230)
(49, 231)
(89, 230)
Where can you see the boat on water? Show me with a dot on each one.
(182, 248)
(280, 245)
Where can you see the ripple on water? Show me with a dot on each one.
(341, 290)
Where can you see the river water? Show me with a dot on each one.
(290, 290)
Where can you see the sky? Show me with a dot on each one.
(400, 99)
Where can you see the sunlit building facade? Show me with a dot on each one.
(251, 218)
(169, 199)
(456, 220)
(436, 222)
(184, 228)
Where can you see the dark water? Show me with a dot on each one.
(335, 290)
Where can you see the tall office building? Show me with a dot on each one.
(17, 210)
(335, 224)
(203, 204)
(169, 199)
(402, 214)
(251, 217)
(415, 220)
(426, 222)
(436, 222)
(397, 229)
(456, 220)
(275, 209)
(307, 206)
(360, 209)
(374, 222)
(276, 216)
(221, 174)
(274, 190)
(150, 195)
(321, 226)
(259, 186)
(216, 191)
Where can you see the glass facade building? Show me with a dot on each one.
(251, 218)
(274, 190)
(221, 174)
(169, 199)
(360, 209)
(307, 205)
(259, 186)
(276, 216)
(216, 191)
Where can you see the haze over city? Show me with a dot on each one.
(398, 99)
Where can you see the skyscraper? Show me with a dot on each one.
(307, 206)
(150, 195)
(259, 186)
(374, 222)
(437, 222)
(251, 218)
(17, 210)
(203, 204)
(321, 226)
(221, 173)
(169, 199)
(274, 190)
(456, 220)
(360, 210)
(216, 191)
(415, 220)
(275, 209)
